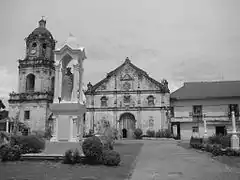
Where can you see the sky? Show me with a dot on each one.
(179, 40)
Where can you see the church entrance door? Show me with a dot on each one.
(127, 125)
(124, 133)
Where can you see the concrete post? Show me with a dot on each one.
(235, 138)
(7, 125)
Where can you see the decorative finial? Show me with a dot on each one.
(42, 22)
(127, 59)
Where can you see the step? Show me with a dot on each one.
(42, 156)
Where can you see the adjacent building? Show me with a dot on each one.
(127, 98)
(198, 101)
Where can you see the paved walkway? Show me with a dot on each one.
(164, 160)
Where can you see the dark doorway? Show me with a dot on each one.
(124, 132)
(221, 130)
(177, 135)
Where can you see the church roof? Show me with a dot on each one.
(205, 90)
(140, 71)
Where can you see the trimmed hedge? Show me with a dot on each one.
(28, 144)
(92, 147)
(72, 157)
(138, 133)
(111, 158)
(10, 153)
(219, 148)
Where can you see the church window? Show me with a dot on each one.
(126, 99)
(104, 101)
(30, 83)
(126, 86)
(150, 100)
(26, 115)
(151, 123)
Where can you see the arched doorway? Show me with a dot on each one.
(127, 125)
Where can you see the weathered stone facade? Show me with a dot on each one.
(128, 98)
(36, 80)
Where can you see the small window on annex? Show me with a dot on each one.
(26, 115)
(150, 100)
(104, 101)
(195, 129)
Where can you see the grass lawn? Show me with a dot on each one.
(232, 161)
(29, 170)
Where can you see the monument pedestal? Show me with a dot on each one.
(68, 120)
(235, 141)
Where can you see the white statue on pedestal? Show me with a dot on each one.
(68, 106)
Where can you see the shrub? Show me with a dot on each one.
(111, 158)
(217, 150)
(225, 141)
(39, 134)
(150, 133)
(68, 157)
(71, 157)
(215, 139)
(167, 133)
(10, 153)
(195, 141)
(106, 142)
(138, 133)
(28, 144)
(92, 147)
(159, 134)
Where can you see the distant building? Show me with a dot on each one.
(127, 98)
(212, 101)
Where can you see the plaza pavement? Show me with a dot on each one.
(165, 160)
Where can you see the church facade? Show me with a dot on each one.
(128, 98)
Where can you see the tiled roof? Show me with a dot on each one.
(203, 90)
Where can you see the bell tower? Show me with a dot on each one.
(36, 80)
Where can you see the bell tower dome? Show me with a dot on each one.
(40, 43)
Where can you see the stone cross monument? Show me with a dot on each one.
(68, 107)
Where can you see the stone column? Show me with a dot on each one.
(55, 130)
(80, 85)
(56, 84)
(205, 136)
(70, 129)
(60, 82)
(7, 125)
(80, 127)
(75, 82)
(234, 139)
